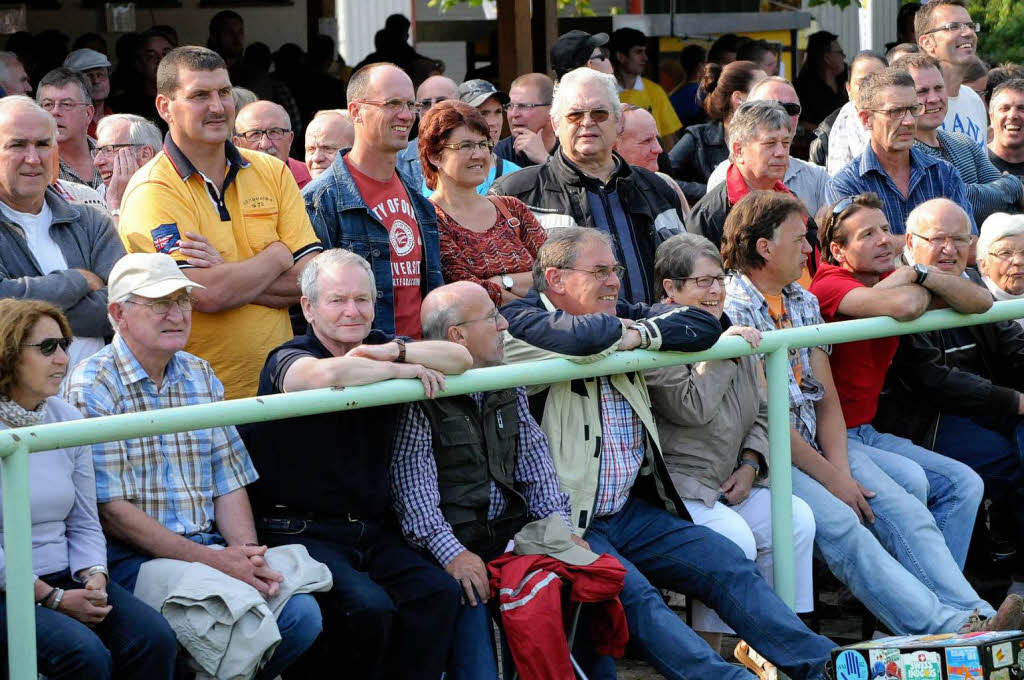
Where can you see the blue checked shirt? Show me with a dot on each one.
(414, 480)
(173, 478)
(929, 178)
(747, 307)
(622, 450)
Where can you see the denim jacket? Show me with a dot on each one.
(342, 220)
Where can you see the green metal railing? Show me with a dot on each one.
(15, 445)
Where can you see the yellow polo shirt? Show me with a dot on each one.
(260, 204)
(652, 98)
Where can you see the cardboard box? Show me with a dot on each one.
(972, 656)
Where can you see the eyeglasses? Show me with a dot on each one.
(512, 106)
(706, 281)
(111, 149)
(596, 115)
(494, 317)
(601, 273)
(792, 108)
(956, 27)
(900, 112)
(273, 134)
(1007, 254)
(47, 346)
(938, 241)
(393, 105)
(468, 147)
(163, 307)
(62, 106)
(427, 103)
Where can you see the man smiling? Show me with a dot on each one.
(1006, 150)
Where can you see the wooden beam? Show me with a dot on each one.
(545, 32)
(515, 44)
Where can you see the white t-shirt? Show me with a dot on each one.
(967, 114)
(50, 259)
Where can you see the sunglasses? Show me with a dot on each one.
(596, 115)
(792, 108)
(47, 346)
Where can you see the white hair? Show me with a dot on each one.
(923, 213)
(21, 101)
(332, 258)
(753, 116)
(570, 84)
(140, 130)
(996, 227)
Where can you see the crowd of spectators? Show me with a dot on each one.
(180, 225)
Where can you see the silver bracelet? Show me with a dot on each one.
(56, 599)
(95, 569)
(753, 464)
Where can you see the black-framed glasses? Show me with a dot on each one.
(468, 146)
(47, 346)
(111, 149)
(428, 102)
(494, 317)
(792, 108)
(601, 273)
(956, 27)
(163, 307)
(393, 106)
(936, 241)
(273, 134)
(512, 106)
(900, 112)
(706, 281)
(596, 115)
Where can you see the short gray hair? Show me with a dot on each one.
(752, 116)
(677, 256)
(572, 81)
(333, 258)
(872, 85)
(62, 76)
(12, 101)
(561, 250)
(140, 130)
(996, 227)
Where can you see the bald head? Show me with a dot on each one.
(462, 312)
(329, 132)
(18, 106)
(777, 89)
(939, 235)
(257, 125)
(436, 87)
(638, 141)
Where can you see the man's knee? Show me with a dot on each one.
(83, 656)
(300, 620)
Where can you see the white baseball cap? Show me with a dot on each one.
(150, 275)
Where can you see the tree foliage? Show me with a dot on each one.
(1002, 28)
(580, 8)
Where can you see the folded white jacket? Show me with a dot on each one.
(225, 625)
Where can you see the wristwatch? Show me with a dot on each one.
(922, 274)
(507, 282)
(400, 359)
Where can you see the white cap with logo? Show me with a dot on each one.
(150, 275)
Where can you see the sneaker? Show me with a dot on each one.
(1007, 618)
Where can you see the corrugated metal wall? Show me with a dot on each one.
(359, 20)
(846, 23)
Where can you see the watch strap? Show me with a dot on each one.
(400, 359)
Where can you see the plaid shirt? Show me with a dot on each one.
(622, 450)
(414, 480)
(747, 307)
(68, 174)
(846, 139)
(174, 477)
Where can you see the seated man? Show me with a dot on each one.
(265, 126)
(124, 143)
(510, 482)
(174, 496)
(604, 444)
(391, 611)
(328, 133)
(856, 279)
(914, 586)
(959, 390)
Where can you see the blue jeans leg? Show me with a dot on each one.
(472, 656)
(299, 623)
(953, 490)
(660, 550)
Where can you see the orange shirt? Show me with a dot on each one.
(777, 310)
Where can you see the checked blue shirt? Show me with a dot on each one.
(929, 178)
(414, 480)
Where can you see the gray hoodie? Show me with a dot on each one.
(88, 239)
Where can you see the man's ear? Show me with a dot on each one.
(837, 252)
(553, 277)
(736, 152)
(307, 308)
(456, 334)
(764, 248)
(163, 107)
(865, 118)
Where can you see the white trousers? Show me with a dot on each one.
(749, 525)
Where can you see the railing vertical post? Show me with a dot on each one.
(21, 614)
(777, 374)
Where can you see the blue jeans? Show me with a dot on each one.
(899, 567)
(993, 447)
(472, 656)
(951, 490)
(133, 642)
(660, 550)
(298, 621)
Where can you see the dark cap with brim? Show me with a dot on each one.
(574, 49)
(475, 92)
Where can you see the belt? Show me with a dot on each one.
(292, 523)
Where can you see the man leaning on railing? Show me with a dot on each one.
(604, 444)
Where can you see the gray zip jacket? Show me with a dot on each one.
(88, 239)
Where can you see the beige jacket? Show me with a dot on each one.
(707, 414)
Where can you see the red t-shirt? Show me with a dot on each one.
(858, 368)
(389, 202)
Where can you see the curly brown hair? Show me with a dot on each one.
(18, 318)
(438, 124)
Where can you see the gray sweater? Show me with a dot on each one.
(88, 239)
(66, 531)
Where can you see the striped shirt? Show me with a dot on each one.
(174, 477)
(622, 450)
(414, 480)
(929, 178)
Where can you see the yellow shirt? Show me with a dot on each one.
(262, 204)
(653, 98)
